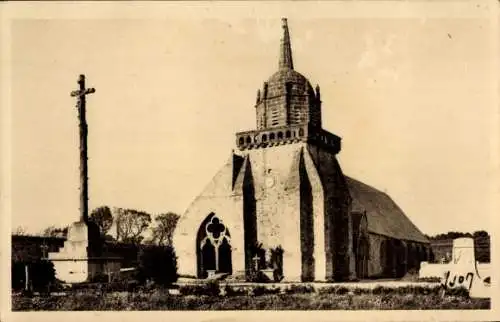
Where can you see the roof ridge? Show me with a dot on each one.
(364, 184)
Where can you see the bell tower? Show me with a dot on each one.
(287, 107)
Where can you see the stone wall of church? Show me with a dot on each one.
(278, 207)
(339, 253)
(380, 266)
(375, 267)
(319, 223)
(217, 198)
(271, 169)
(307, 235)
(290, 195)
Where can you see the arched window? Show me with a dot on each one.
(280, 135)
(249, 139)
(271, 137)
(264, 137)
(241, 141)
(301, 132)
(213, 244)
(288, 134)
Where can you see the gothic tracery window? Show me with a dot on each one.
(215, 231)
(214, 247)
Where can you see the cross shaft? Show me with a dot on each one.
(81, 106)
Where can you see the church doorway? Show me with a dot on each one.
(388, 258)
(401, 258)
(362, 258)
(213, 247)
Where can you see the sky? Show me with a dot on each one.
(413, 97)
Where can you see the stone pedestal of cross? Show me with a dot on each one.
(81, 106)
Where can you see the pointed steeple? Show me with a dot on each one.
(286, 61)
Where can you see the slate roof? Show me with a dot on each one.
(383, 214)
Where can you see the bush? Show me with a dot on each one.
(358, 291)
(262, 290)
(43, 275)
(459, 291)
(99, 278)
(233, 291)
(300, 289)
(121, 286)
(210, 288)
(18, 275)
(382, 290)
(163, 301)
(257, 277)
(194, 289)
(158, 264)
(429, 279)
(40, 272)
(339, 290)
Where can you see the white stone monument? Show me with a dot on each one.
(462, 271)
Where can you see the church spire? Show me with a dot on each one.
(286, 61)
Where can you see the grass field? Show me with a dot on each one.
(162, 300)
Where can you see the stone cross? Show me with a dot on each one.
(44, 249)
(256, 260)
(80, 94)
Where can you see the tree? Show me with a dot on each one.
(54, 231)
(42, 275)
(482, 246)
(164, 229)
(480, 234)
(158, 264)
(19, 231)
(103, 217)
(131, 224)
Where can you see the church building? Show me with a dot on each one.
(282, 204)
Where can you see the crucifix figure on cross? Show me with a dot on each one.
(81, 102)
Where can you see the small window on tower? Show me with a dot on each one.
(249, 140)
(280, 135)
(264, 137)
(287, 134)
(271, 136)
(241, 141)
(301, 132)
